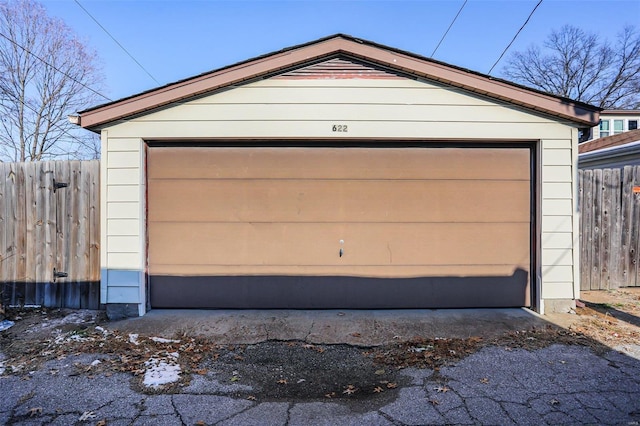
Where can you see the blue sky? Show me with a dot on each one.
(178, 39)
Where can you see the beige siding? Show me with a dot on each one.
(558, 254)
(393, 109)
(557, 239)
(121, 237)
(126, 261)
(557, 173)
(346, 112)
(123, 226)
(557, 257)
(126, 193)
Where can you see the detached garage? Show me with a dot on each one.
(339, 174)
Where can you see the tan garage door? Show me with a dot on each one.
(292, 227)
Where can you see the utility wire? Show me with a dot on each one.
(117, 42)
(514, 37)
(53, 66)
(450, 25)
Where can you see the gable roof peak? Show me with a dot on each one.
(345, 45)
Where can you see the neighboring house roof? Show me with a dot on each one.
(340, 45)
(611, 152)
(610, 141)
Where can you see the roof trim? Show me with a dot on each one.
(340, 44)
(620, 112)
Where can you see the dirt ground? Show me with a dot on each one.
(277, 370)
(611, 317)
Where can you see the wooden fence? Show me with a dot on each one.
(49, 228)
(609, 201)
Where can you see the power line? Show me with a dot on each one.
(450, 25)
(53, 66)
(515, 36)
(117, 42)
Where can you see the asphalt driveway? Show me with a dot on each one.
(325, 367)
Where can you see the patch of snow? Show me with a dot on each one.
(76, 317)
(133, 338)
(163, 340)
(102, 330)
(67, 338)
(6, 324)
(161, 371)
(96, 362)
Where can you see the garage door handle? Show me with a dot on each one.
(341, 252)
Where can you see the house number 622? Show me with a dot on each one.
(339, 128)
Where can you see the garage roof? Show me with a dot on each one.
(340, 45)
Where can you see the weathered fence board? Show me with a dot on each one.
(45, 229)
(609, 228)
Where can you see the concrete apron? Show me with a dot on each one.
(354, 327)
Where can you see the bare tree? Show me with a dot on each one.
(582, 66)
(46, 73)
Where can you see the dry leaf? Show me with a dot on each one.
(434, 402)
(251, 398)
(36, 411)
(330, 395)
(102, 423)
(484, 380)
(282, 382)
(392, 385)
(441, 389)
(87, 415)
(350, 390)
(377, 389)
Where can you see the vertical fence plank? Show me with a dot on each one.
(81, 250)
(635, 196)
(20, 234)
(32, 214)
(589, 196)
(616, 228)
(94, 234)
(9, 263)
(627, 224)
(597, 226)
(50, 298)
(605, 230)
(587, 237)
(62, 234)
(583, 176)
(70, 243)
(40, 230)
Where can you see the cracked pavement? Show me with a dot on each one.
(497, 385)
(503, 382)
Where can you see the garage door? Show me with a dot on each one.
(292, 227)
